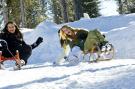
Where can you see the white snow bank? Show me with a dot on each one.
(119, 31)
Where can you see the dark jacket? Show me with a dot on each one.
(15, 42)
(81, 36)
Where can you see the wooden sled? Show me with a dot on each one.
(14, 58)
(100, 54)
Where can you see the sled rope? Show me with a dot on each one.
(9, 51)
(14, 57)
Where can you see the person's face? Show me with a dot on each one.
(67, 31)
(11, 28)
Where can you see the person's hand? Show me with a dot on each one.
(39, 40)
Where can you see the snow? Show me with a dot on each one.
(108, 7)
(103, 75)
(40, 73)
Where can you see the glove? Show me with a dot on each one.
(39, 40)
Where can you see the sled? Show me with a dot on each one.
(92, 43)
(14, 58)
(104, 53)
(98, 47)
(107, 54)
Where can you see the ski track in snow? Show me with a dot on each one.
(81, 76)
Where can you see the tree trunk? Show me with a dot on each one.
(55, 12)
(64, 10)
(78, 9)
(22, 15)
(120, 6)
(127, 4)
(5, 12)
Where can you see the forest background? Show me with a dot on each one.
(29, 13)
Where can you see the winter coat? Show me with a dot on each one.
(81, 36)
(94, 39)
(15, 42)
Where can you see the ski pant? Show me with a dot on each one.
(75, 54)
(25, 52)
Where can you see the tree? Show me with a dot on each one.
(70, 12)
(3, 11)
(91, 7)
(56, 10)
(34, 13)
(22, 15)
(131, 4)
(26, 13)
(120, 4)
(13, 10)
(78, 9)
(64, 10)
(126, 6)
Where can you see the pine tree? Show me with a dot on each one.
(26, 13)
(34, 13)
(78, 9)
(131, 4)
(22, 14)
(13, 10)
(64, 10)
(120, 9)
(3, 11)
(126, 6)
(56, 10)
(91, 7)
(71, 12)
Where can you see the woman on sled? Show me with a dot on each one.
(11, 40)
(84, 45)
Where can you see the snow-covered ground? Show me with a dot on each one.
(114, 74)
(40, 73)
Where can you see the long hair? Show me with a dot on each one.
(65, 37)
(17, 31)
(77, 37)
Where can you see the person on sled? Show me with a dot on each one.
(11, 39)
(84, 45)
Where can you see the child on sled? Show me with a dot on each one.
(11, 40)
